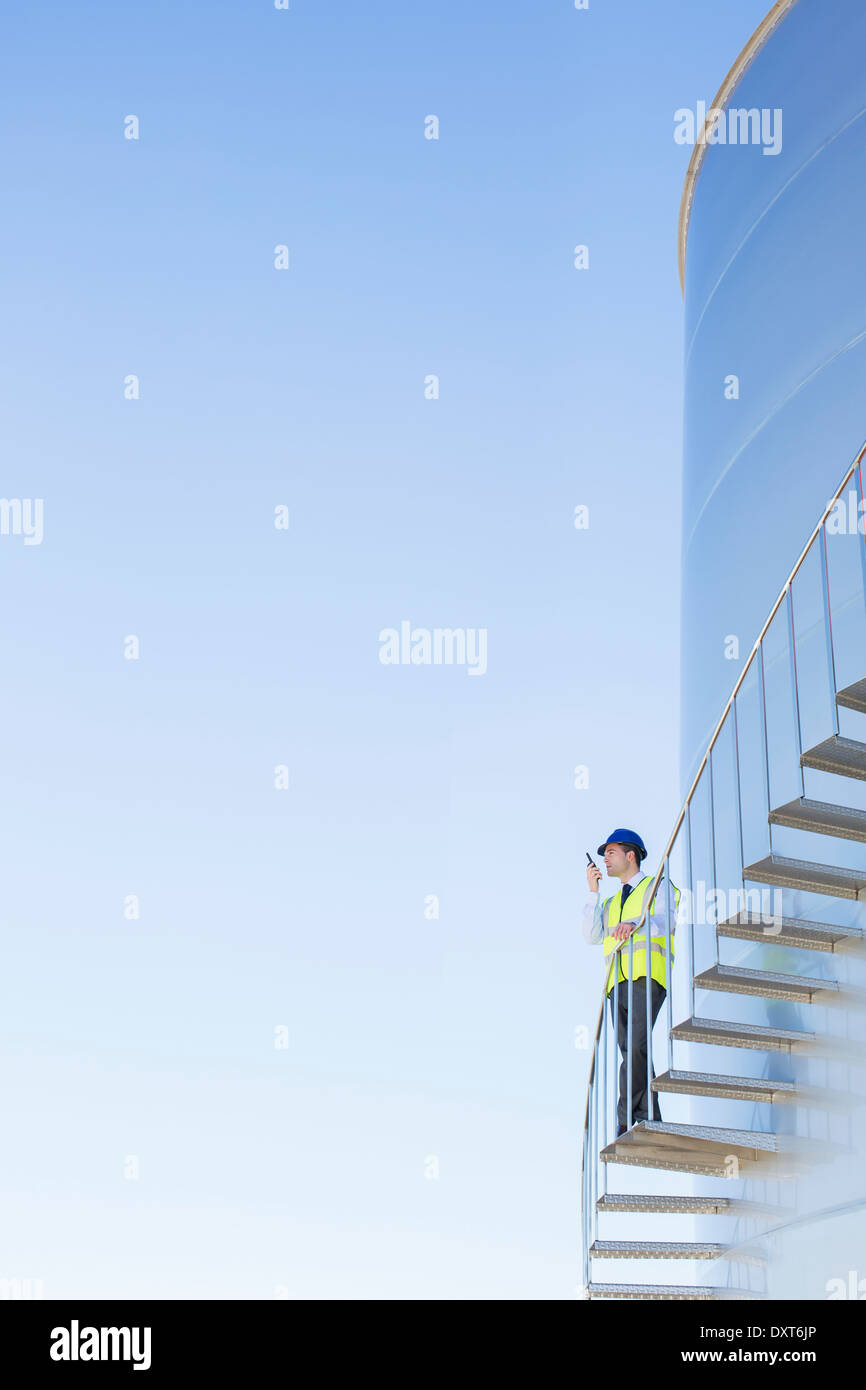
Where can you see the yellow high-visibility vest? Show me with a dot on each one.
(658, 944)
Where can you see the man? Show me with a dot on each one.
(614, 921)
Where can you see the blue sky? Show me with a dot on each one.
(303, 1169)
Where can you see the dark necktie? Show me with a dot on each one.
(626, 889)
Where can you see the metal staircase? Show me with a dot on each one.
(740, 799)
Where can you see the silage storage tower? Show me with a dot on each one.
(762, 1175)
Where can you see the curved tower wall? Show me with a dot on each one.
(775, 297)
(775, 294)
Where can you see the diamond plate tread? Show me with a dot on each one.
(703, 1164)
(686, 1206)
(703, 1083)
(710, 1151)
(753, 1035)
(822, 817)
(853, 696)
(656, 1250)
(734, 979)
(670, 1291)
(789, 931)
(807, 876)
(844, 756)
(713, 1134)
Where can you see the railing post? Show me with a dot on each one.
(594, 1148)
(795, 684)
(766, 745)
(615, 964)
(648, 979)
(828, 624)
(713, 841)
(605, 1141)
(691, 924)
(669, 959)
(584, 1228)
(629, 1028)
(739, 790)
(861, 518)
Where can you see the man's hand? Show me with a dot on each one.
(593, 877)
(623, 930)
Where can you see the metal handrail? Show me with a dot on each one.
(752, 654)
(650, 895)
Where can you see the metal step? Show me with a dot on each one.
(844, 756)
(669, 1292)
(789, 931)
(752, 1035)
(853, 696)
(685, 1206)
(757, 1089)
(656, 1250)
(757, 1139)
(799, 989)
(702, 1083)
(822, 817)
(807, 876)
(711, 1151)
(723, 1033)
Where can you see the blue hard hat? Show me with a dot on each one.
(624, 837)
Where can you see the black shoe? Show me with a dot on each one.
(620, 1131)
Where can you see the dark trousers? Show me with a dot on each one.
(639, 1045)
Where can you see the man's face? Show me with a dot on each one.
(616, 860)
